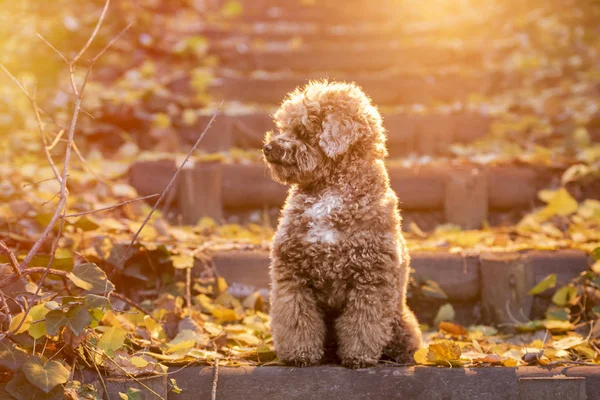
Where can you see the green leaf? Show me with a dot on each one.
(445, 313)
(77, 319)
(45, 375)
(91, 278)
(112, 340)
(94, 301)
(563, 296)
(558, 314)
(547, 283)
(20, 388)
(38, 313)
(132, 394)
(596, 253)
(11, 356)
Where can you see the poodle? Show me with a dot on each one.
(339, 263)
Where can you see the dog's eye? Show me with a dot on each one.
(298, 131)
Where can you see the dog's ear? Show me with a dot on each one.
(339, 134)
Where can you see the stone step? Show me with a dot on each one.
(423, 383)
(407, 133)
(344, 57)
(479, 189)
(478, 285)
(384, 88)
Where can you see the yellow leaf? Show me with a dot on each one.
(444, 352)
(183, 261)
(112, 340)
(224, 314)
(181, 347)
(190, 116)
(510, 362)
(156, 331)
(421, 356)
(562, 203)
(17, 320)
(221, 285)
(138, 361)
(162, 120)
(567, 343)
(37, 313)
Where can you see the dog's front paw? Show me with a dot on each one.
(302, 358)
(359, 362)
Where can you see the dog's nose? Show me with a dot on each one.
(267, 148)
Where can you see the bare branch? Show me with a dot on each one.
(164, 192)
(215, 381)
(11, 257)
(188, 290)
(56, 139)
(130, 302)
(109, 44)
(41, 129)
(93, 35)
(61, 55)
(111, 207)
(28, 271)
(15, 80)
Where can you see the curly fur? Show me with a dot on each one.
(339, 263)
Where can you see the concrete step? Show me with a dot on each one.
(423, 383)
(384, 88)
(344, 57)
(430, 134)
(471, 281)
(480, 189)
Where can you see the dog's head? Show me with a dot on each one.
(319, 126)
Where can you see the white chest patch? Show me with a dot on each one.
(320, 226)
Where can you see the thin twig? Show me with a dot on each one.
(109, 44)
(38, 109)
(28, 271)
(162, 195)
(130, 302)
(129, 375)
(215, 381)
(37, 182)
(46, 270)
(5, 307)
(61, 55)
(56, 138)
(93, 35)
(41, 129)
(564, 362)
(188, 290)
(110, 207)
(11, 257)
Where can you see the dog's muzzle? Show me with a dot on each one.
(273, 153)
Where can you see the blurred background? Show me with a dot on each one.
(499, 98)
